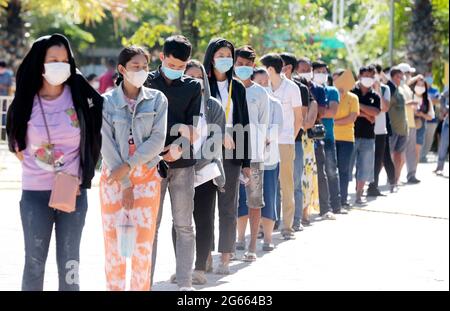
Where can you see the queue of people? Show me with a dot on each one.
(269, 145)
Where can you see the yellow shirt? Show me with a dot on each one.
(409, 108)
(349, 103)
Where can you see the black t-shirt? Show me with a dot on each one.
(306, 99)
(184, 97)
(363, 127)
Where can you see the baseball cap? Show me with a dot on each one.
(404, 67)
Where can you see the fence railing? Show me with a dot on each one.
(5, 101)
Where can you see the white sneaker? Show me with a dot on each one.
(329, 216)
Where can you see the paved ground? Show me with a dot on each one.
(399, 242)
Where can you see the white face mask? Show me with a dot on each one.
(202, 83)
(367, 82)
(419, 90)
(136, 78)
(308, 76)
(320, 78)
(95, 85)
(56, 73)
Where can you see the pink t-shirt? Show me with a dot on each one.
(38, 173)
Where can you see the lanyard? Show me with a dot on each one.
(227, 109)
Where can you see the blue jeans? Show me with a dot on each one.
(324, 194)
(443, 145)
(298, 174)
(364, 159)
(38, 220)
(332, 175)
(344, 150)
(271, 183)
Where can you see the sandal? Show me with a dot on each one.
(268, 247)
(249, 257)
(260, 235)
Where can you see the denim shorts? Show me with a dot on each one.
(252, 194)
(398, 143)
(420, 134)
(365, 159)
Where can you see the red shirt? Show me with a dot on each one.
(106, 81)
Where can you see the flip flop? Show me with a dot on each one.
(249, 257)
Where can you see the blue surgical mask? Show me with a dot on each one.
(223, 64)
(172, 74)
(429, 80)
(243, 72)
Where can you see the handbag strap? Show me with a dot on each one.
(48, 132)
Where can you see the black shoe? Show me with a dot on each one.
(413, 181)
(342, 211)
(374, 192)
(347, 205)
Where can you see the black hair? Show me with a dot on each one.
(193, 63)
(369, 68)
(177, 46)
(213, 46)
(272, 60)
(2, 63)
(126, 55)
(111, 62)
(91, 77)
(246, 52)
(386, 69)
(378, 68)
(319, 64)
(425, 107)
(304, 60)
(29, 81)
(257, 71)
(289, 59)
(395, 71)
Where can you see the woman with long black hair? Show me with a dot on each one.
(218, 63)
(53, 127)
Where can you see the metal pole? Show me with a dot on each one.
(391, 35)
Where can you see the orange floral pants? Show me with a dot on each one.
(147, 191)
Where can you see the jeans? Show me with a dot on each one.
(181, 190)
(344, 150)
(271, 183)
(364, 159)
(411, 160)
(204, 205)
(332, 175)
(382, 158)
(298, 175)
(324, 194)
(429, 137)
(228, 205)
(37, 222)
(443, 145)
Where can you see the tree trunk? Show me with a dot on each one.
(187, 11)
(421, 44)
(13, 42)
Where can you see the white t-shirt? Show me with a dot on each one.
(275, 124)
(223, 91)
(288, 93)
(258, 111)
(380, 119)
